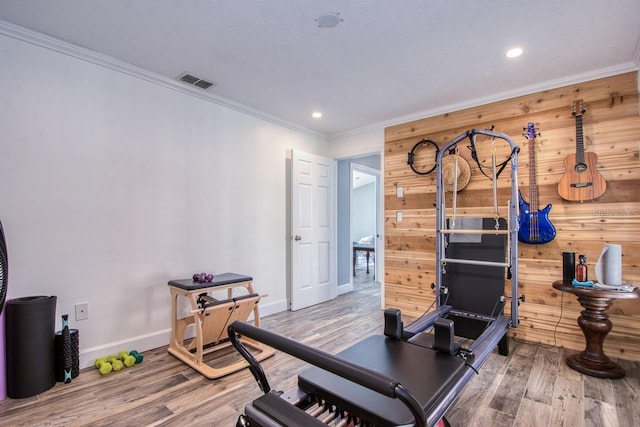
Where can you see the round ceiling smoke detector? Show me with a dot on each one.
(329, 20)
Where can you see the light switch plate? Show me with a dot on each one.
(82, 311)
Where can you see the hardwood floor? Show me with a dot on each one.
(530, 387)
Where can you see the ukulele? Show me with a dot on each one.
(581, 180)
(535, 227)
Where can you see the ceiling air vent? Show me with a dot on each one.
(196, 81)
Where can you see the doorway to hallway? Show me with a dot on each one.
(359, 221)
(364, 220)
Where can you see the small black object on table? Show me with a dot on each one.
(595, 325)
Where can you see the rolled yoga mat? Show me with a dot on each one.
(29, 334)
(3, 379)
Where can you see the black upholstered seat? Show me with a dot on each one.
(218, 280)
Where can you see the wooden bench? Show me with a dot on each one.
(210, 317)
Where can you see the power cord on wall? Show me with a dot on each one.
(555, 329)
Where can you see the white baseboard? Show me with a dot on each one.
(156, 339)
(344, 288)
(140, 343)
(273, 308)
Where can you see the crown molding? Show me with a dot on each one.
(42, 40)
(51, 43)
(527, 90)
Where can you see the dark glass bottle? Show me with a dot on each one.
(581, 269)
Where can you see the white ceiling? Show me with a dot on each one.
(388, 61)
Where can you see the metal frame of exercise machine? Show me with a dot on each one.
(446, 228)
(512, 221)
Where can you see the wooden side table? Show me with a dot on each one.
(595, 325)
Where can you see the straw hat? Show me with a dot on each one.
(448, 172)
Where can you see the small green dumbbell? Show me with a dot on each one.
(129, 361)
(99, 361)
(117, 365)
(137, 355)
(105, 368)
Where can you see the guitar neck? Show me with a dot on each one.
(579, 140)
(533, 185)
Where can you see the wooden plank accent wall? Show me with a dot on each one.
(611, 130)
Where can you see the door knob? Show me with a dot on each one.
(297, 238)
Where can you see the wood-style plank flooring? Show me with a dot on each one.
(530, 387)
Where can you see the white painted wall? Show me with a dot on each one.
(111, 185)
(363, 205)
(357, 143)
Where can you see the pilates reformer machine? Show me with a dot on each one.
(411, 375)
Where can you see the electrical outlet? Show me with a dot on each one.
(82, 311)
(399, 192)
(399, 216)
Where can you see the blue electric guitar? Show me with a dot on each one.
(535, 227)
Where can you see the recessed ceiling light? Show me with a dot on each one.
(514, 53)
(316, 115)
(329, 20)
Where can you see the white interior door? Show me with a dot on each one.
(313, 259)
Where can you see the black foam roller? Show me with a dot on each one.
(4, 268)
(75, 354)
(66, 348)
(30, 347)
